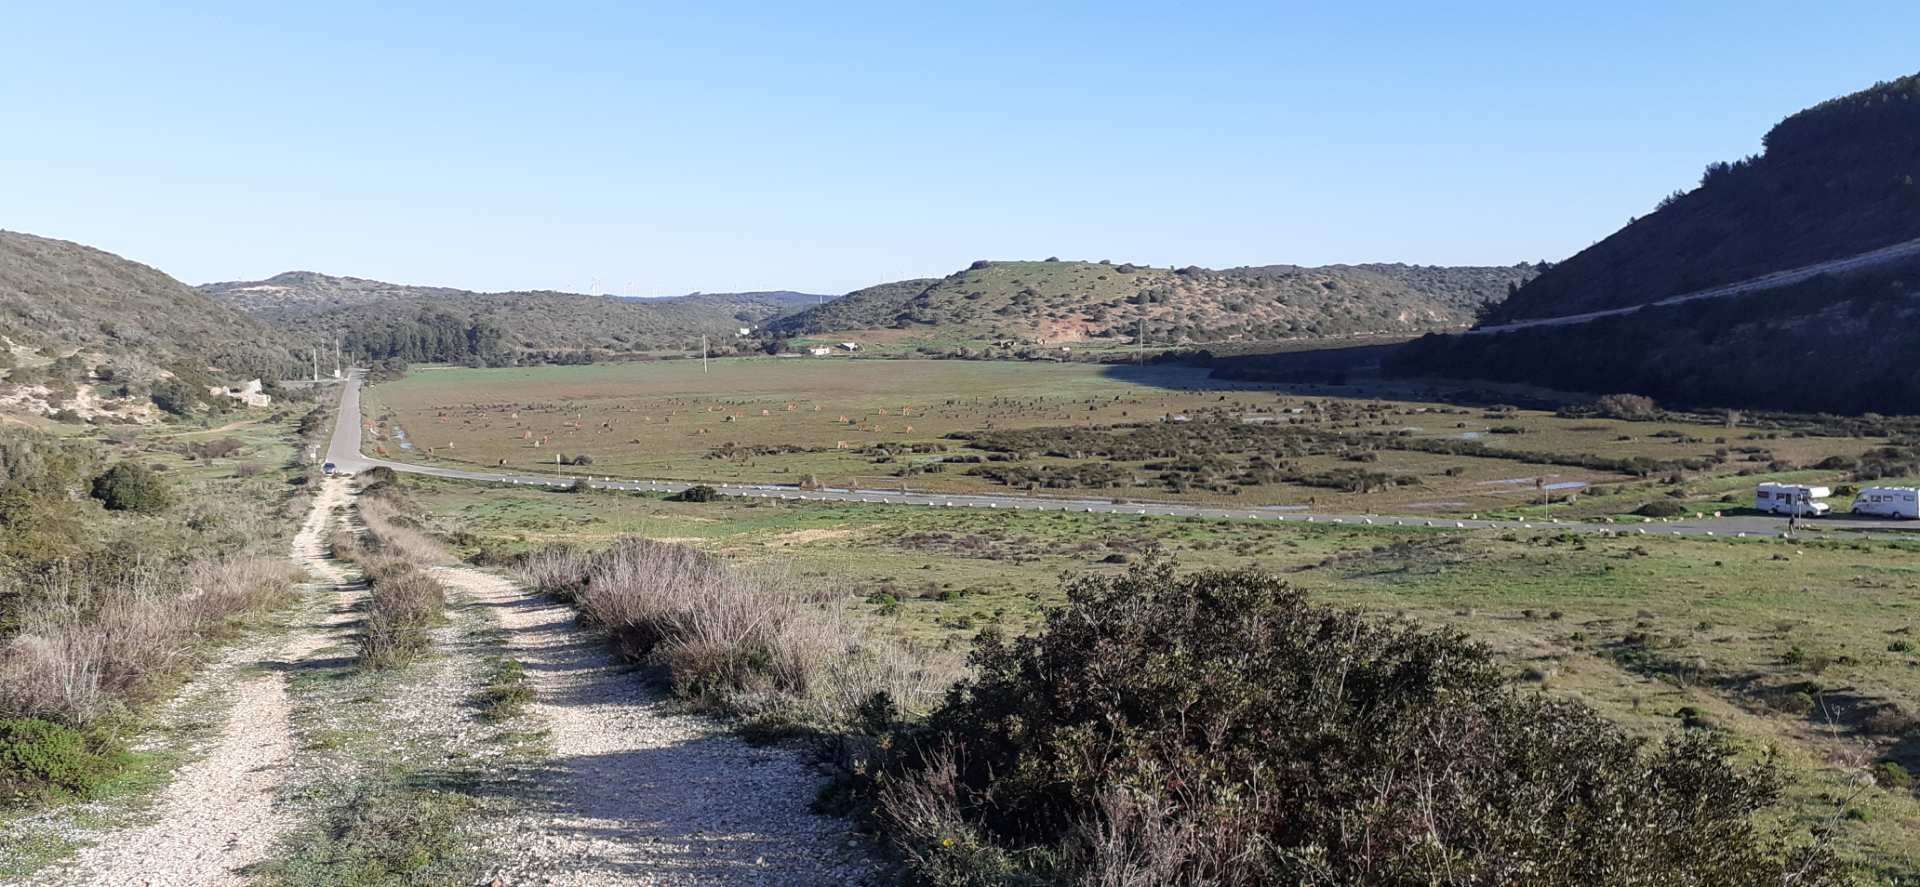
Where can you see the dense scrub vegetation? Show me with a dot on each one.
(1054, 301)
(99, 608)
(1835, 180)
(1835, 344)
(1218, 728)
(429, 334)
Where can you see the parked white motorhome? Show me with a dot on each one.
(1896, 502)
(1792, 499)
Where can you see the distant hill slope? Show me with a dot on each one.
(1835, 344)
(57, 296)
(381, 320)
(296, 294)
(1056, 302)
(1835, 180)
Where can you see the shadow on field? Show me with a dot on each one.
(1332, 370)
(1261, 370)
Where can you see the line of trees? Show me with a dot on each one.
(433, 335)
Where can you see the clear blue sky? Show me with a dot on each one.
(659, 149)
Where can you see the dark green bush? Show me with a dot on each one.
(1661, 508)
(131, 486)
(41, 760)
(174, 397)
(1217, 728)
(697, 493)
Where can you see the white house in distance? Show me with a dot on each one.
(820, 350)
(249, 394)
(746, 331)
(850, 346)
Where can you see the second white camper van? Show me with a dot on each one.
(1791, 499)
(1902, 503)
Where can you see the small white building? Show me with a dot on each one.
(249, 394)
(820, 351)
(746, 331)
(1900, 503)
(850, 346)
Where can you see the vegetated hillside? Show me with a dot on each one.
(875, 306)
(1835, 180)
(1834, 344)
(297, 294)
(381, 321)
(1057, 302)
(58, 298)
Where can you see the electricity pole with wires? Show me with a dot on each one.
(703, 353)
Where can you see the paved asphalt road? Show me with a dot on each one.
(1881, 256)
(344, 452)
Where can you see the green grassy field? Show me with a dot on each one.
(783, 420)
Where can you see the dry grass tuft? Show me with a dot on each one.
(744, 641)
(392, 532)
(84, 649)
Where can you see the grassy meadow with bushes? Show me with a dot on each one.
(1792, 652)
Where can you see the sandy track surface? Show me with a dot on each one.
(217, 814)
(636, 793)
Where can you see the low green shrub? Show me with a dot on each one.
(385, 833)
(42, 760)
(404, 605)
(1217, 728)
(696, 493)
(507, 691)
(131, 486)
(1661, 508)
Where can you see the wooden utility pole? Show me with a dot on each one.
(703, 353)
